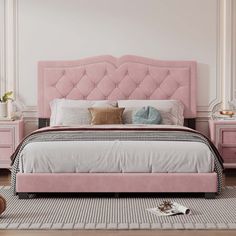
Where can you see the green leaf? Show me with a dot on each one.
(7, 96)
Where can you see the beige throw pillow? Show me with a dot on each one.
(101, 116)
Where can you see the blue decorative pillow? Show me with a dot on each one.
(147, 115)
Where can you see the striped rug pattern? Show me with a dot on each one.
(116, 213)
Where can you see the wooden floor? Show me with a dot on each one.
(5, 180)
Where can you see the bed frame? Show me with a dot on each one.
(107, 77)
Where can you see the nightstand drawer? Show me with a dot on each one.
(223, 135)
(11, 133)
(6, 136)
(229, 153)
(228, 136)
(5, 153)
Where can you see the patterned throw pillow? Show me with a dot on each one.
(102, 116)
(147, 115)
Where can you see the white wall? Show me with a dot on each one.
(164, 29)
(161, 29)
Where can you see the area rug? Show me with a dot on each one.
(72, 212)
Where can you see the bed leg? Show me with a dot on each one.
(210, 195)
(23, 196)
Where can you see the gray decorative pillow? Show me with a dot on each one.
(147, 115)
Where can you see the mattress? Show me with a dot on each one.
(118, 156)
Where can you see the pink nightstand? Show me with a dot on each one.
(11, 133)
(223, 135)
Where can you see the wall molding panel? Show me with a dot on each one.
(226, 51)
(234, 50)
(224, 88)
(204, 111)
(2, 47)
(12, 55)
(11, 48)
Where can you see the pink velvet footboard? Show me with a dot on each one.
(116, 182)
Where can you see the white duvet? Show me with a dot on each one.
(116, 156)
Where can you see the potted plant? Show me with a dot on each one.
(3, 103)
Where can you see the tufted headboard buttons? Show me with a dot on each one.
(107, 77)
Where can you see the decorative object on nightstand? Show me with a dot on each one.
(3, 104)
(227, 113)
(11, 133)
(223, 135)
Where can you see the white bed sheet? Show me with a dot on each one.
(116, 156)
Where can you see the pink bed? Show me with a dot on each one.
(107, 77)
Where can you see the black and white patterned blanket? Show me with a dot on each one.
(86, 134)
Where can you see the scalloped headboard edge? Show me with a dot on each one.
(107, 77)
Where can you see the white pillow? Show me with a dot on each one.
(57, 104)
(171, 110)
(75, 116)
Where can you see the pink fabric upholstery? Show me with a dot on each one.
(107, 77)
(117, 182)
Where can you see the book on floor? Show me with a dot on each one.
(168, 208)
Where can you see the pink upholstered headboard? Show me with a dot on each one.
(107, 77)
